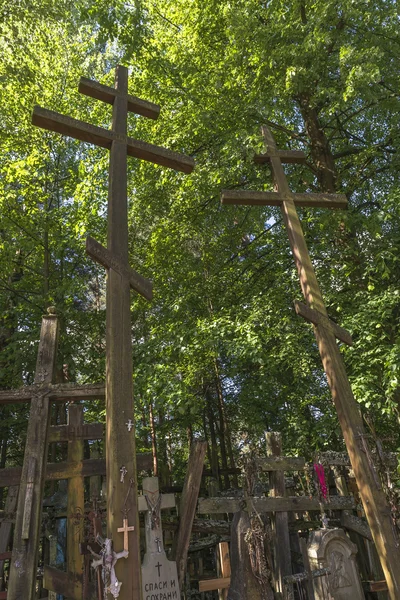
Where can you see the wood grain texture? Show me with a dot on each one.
(101, 255)
(188, 504)
(279, 520)
(53, 121)
(108, 94)
(23, 567)
(268, 504)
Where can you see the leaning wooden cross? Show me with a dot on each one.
(159, 575)
(120, 450)
(375, 504)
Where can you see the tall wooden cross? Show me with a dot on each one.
(376, 506)
(120, 440)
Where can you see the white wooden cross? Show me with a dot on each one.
(158, 573)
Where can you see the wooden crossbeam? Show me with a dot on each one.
(61, 392)
(314, 316)
(286, 156)
(64, 433)
(281, 463)
(251, 197)
(101, 255)
(53, 121)
(64, 470)
(67, 584)
(208, 585)
(268, 504)
(108, 94)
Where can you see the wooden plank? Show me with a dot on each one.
(286, 156)
(64, 470)
(312, 315)
(23, 566)
(101, 255)
(108, 94)
(281, 463)
(5, 555)
(187, 511)
(88, 431)
(53, 121)
(6, 524)
(208, 585)
(378, 586)
(251, 197)
(75, 499)
(265, 505)
(57, 392)
(62, 583)
(342, 459)
(279, 520)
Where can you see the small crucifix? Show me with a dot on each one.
(129, 424)
(153, 502)
(125, 530)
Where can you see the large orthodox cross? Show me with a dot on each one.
(375, 504)
(120, 439)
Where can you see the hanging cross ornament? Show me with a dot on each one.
(123, 471)
(375, 504)
(125, 529)
(129, 424)
(121, 278)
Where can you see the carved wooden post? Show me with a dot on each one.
(22, 584)
(187, 508)
(279, 520)
(375, 504)
(75, 499)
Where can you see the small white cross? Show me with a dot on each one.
(123, 470)
(129, 424)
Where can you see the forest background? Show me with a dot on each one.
(219, 353)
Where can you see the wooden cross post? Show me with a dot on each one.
(120, 440)
(375, 504)
(22, 583)
(158, 573)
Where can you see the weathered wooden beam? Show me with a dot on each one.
(108, 94)
(6, 524)
(264, 505)
(251, 197)
(342, 459)
(23, 566)
(279, 520)
(63, 583)
(61, 392)
(286, 156)
(88, 431)
(53, 121)
(281, 463)
(75, 497)
(187, 510)
(314, 316)
(101, 255)
(208, 585)
(65, 470)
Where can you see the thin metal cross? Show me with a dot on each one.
(375, 504)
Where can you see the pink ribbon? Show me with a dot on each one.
(319, 470)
